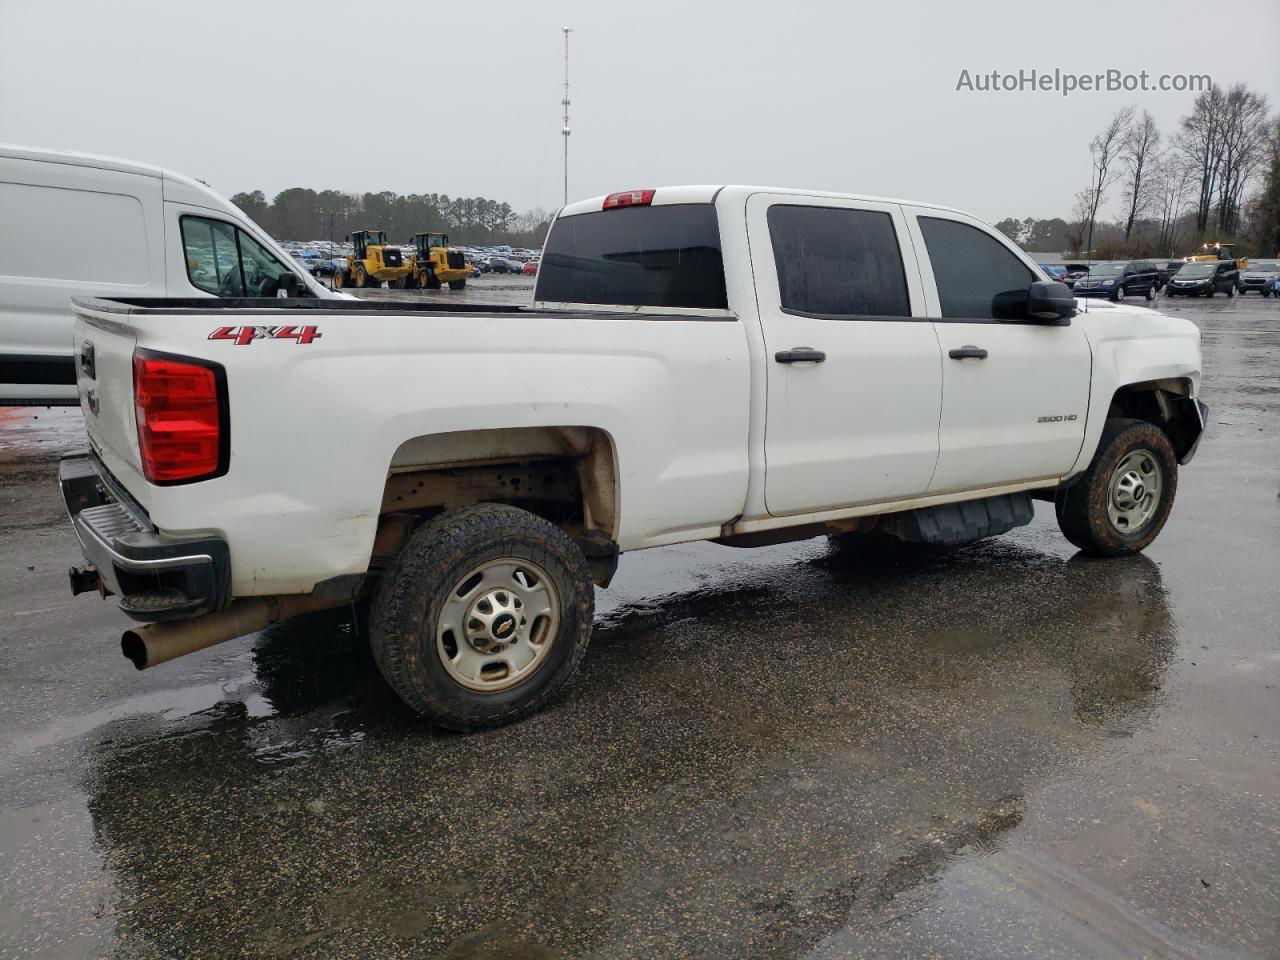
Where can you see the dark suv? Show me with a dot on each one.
(1204, 278)
(1118, 279)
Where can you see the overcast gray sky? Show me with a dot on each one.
(465, 99)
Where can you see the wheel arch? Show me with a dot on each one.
(565, 474)
(1168, 403)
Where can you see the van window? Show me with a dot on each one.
(837, 263)
(56, 233)
(226, 261)
(978, 278)
(665, 256)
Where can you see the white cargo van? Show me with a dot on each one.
(75, 225)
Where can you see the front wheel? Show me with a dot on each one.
(458, 284)
(1123, 499)
(483, 617)
(1118, 296)
(1231, 292)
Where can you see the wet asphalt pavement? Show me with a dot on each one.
(1007, 751)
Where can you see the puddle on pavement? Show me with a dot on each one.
(802, 733)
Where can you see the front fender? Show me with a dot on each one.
(1135, 348)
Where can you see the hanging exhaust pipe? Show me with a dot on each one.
(150, 644)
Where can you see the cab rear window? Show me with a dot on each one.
(663, 256)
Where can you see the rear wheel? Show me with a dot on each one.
(340, 279)
(483, 617)
(1123, 499)
(1151, 292)
(1231, 292)
(458, 284)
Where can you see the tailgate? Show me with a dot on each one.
(104, 343)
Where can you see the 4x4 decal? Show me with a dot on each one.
(243, 336)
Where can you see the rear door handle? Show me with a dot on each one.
(800, 355)
(967, 352)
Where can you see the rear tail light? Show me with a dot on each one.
(181, 409)
(628, 198)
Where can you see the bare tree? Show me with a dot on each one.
(1079, 225)
(1200, 141)
(1265, 218)
(1104, 151)
(1173, 179)
(1140, 147)
(1244, 130)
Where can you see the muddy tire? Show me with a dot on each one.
(1123, 499)
(483, 617)
(340, 279)
(457, 284)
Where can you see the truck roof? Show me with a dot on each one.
(709, 193)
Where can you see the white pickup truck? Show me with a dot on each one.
(739, 364)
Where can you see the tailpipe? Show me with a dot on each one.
(154, 643)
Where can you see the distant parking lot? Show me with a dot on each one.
(776, 752)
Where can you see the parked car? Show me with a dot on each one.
(139, 231)
(1118, 279)
(1055, 270)
(327, 268)
(503, 265)
(531, 268)
(1259, 276)
(1074, 272)
(1204, 278)
(477, 495)
(1167, 270)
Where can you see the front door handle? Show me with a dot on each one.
(967, 352)
(800, 355)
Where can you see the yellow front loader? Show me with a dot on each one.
(1211, 252)
(433, 263)
(373, 264)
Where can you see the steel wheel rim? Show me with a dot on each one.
(497, 624)
(1133, 493)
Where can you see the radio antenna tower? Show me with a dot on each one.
(564, 129)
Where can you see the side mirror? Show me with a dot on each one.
(1051, 302)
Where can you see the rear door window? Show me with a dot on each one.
(977, 277)
(655, 256)
(837, 263)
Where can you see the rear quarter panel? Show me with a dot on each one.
(314, 426)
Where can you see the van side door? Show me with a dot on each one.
(1015, 391)
(853, 370)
